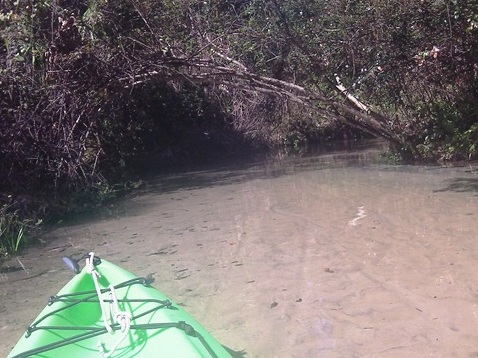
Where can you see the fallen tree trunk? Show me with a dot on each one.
(342, 106)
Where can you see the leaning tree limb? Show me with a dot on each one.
(342, 106)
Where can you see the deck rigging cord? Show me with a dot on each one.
(120, 320)
(90, 268)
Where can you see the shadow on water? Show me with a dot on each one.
(236, 170)
(243, 169)
(461, 185)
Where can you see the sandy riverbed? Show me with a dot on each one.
(292, 259)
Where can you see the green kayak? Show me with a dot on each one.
(105, 311)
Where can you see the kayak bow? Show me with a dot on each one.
(106, 311)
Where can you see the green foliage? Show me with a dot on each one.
(14, 229)
(21, 25)
(452, 132)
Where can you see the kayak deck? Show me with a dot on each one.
(73, 323)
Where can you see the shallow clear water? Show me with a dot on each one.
(330, 255)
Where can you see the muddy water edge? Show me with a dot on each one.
(325, 255)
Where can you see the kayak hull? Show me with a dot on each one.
(73, 324)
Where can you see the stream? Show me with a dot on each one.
(332, 254)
